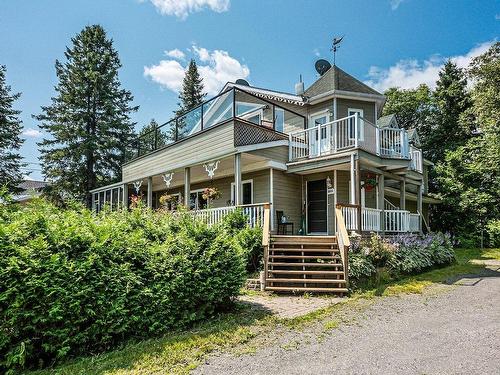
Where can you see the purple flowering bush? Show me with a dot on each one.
(402, 255)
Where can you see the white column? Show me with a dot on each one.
(381, 202)
(402, 195)
(353, 182)
(271, 195)
(334, 199)
(150, 192)
(237, 180)
(187, 186)
(125, 196)
(419, 206)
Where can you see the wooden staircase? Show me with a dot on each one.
(305, 264)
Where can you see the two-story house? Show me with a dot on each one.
(305, 153)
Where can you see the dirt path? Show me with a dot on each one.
(451, 332)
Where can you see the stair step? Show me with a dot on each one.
(305, 289)
(300, 264)
(322, 244)
(303, 281)
(304, 250)
(305, 256)
(305, 272)
(304, 238)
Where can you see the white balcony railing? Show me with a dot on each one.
(395, 221)
(352, 132)
(211, 216)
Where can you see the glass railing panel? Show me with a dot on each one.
(189, 123)
(218, 110)
(165, 134)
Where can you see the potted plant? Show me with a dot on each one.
(166, 199)
(210, 194)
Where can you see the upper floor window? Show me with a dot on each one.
(352, 124)
(279, 120)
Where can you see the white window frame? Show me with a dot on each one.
(361, 123)
(259, 110)
(196, 191)
(233, 198)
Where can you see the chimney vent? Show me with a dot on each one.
(299, 87)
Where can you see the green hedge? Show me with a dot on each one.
(74, 283)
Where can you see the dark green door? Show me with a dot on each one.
(316, 206)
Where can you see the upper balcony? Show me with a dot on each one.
(232, 104)
(353, 132)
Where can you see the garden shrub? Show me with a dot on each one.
(493, 229)
(403, 255)
(76, 283)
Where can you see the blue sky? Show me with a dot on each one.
(387, 43)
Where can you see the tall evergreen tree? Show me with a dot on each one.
(89, 118)
(10, 136)
(150, 138)
(451, 101)
(190, 96)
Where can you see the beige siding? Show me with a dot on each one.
(279, 154)
(368, 108)
(287, 197)
(260, 188)
(214, 143)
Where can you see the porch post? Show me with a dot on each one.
(402, 194)
(419, 206)
(381, 202)
(125, 196)
(237, 179)
(150, 192)
(187, 186)
(358, 194)
(353, 182)
(271, 196)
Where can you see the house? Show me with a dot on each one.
(307, 153)
(29, 189)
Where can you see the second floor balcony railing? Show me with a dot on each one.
(352, 132)
(230, 104)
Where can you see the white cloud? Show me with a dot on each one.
(32, 133)
(182, 8)
(217, 68)
(395, 4)
(176, 54)
(408, 74)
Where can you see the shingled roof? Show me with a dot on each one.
(336, 79)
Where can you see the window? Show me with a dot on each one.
(251, 112)
(196, 201)
(279, 119)
(247, 187)
(352, 123)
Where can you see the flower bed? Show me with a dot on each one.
(402, 255)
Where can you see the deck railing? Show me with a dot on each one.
(233, 103)
(211, 216)
(395, 220)
(349, 132)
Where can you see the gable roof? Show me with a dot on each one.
(388, 121)
(336, 79)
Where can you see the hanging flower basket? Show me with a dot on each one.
(135, 200)
(166, 198)
(211, 193)
(370, 182)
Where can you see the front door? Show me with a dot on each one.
(317, 206)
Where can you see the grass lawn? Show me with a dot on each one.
(180, 352)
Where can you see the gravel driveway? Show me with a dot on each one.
(452, 332)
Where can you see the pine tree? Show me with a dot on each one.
(89, 118)
(152, 138)
(190, 96)
(452, 101)
(10, 139)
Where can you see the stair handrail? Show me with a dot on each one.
(343, 242)
(266, 236)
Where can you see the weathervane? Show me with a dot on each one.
(336, 46)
